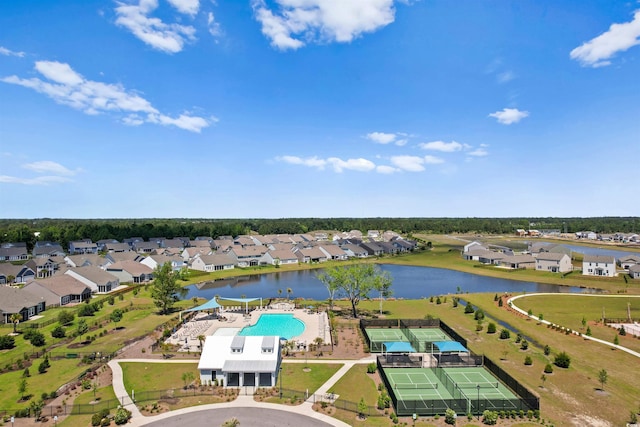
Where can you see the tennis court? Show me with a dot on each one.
(420, 338)
(482, 389)
(418, 390)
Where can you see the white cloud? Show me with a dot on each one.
(41, 180)
(300, 21)
(620, 37)
(386, 138)
(509, 115)
(188, 7)
(47, 166)
(446, 147)
(360, 165)
(213, 25)
(165, 37)
(67, 87)
(7, 52)
(432, 160)
(310, 161)
(408, 163)
(386, 170)
(479, 152)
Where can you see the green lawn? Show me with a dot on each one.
(156, 376)
(304, 377)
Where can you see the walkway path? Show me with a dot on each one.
(546, 322)
(137, 419)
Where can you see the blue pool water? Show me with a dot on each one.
(283, 325)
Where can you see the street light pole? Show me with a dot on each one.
(280, 382)
(478, 409)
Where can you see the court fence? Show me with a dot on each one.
(459, 359)
(531, 400)
(403, 325)
(392, 360)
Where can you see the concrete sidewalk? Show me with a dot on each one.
(137, 419)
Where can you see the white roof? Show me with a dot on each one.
(217, 355)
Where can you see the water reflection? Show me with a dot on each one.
(408, 282)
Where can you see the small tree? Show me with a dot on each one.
(15, 318)
(450, 416)
(548, 368)
(468, 309)
(479, 314)
(588, 333)
(65, 317)
(116, 316)
(82, 328)
(362, 407)
(37, 339)
(524, 345)
(122, 416)
(547, 350)
(491, 328)
(36, 408)
(528, 361)
(455, 302)
(505, 334)
(603, 377)
(616, 341)
(500, 303)
(22, 388)
(530, 312)
(562, 360)
(540, 317)
(543, 378)
(584, 322)
(58, 332)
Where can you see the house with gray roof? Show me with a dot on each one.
(117, 247)
(14, 253)
(247, 256)
(553, 262)
(145, 247)
(214, 262)
(59, 290)
(47, 249)
(280, 257)
(19, 301)
(43, 267)
(86, 260)
(83, 247)
(131, 272)
(599, 265)
(634, 271)
(98, 280)
(354, 251)
(517, 262)
(153, 261)
(311, 255)
(333, 252)
(9, 272)
(627, 261)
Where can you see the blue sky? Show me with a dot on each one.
(319, 108)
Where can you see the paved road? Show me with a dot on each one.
(258, 417)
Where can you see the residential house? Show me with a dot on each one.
(517, 262)
(131, 272)
(333, 252)
(59, 290)
(553, 262)
(373, 248)
(25, 275)
(177, 243)
(280, 257)
(9, 272)
(145, 247)
(491, 257)
(599, 265)
(590, 235)
(214, 262)
(47, 249)
(473, 244)
(190, 254)
(14, 253)
(201, 243)
(98, 280)
(634, 271)
(311, 255)
(247, 256)
(86, 260)
(114, 257)
(153, 261)
(354, 251)
(19, 301)
(43, 267)
(239, 361)
(117, 247)
(102, 244)
(476, 252)
(627, 261)
(85, 246)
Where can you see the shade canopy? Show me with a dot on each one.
(450, 347)
(211, 304)
(398, 347)
(242, 300)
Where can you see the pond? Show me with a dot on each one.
(408, 282)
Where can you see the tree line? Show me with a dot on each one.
(64, 231)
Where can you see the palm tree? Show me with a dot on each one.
(201, 338)
(279, 293)
(289, 292)
(15, 319)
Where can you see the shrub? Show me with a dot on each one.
(490, 417)
(96, 419)
(468, 309)
(450, 416)
(548, 369)
(438, 300)
(562, 360)
(491, 328)
(371, 368)
(42, 368)
(37, 339)
(111, 300)
(58, 332)
(455, 302)
(528, 361)
(505, 334)
(7, 342)
(547, 350)
(86, 310)
(524, 345)
(65, 317)
(518, 338)
(479, 314)
(500, 303)
(122, 416)
(26, 373)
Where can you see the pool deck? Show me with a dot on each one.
(316, 325)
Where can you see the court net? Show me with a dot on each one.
(477, 385)
(416, 386)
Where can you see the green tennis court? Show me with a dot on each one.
(420, 338)
(430, 334)
(474, 382)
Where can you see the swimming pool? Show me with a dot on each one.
(283, 325)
